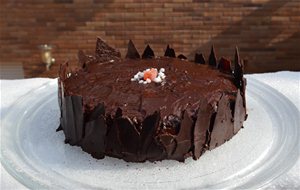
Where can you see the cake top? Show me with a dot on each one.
(106, 78)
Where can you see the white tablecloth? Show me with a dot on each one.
(288, 83)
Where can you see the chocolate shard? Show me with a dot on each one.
(239, 112)
(243, 92)
(104, 52)
(150, 147)
(132, 52)
(225, 65)
(199, 58)
(183, 139)
(202, 125)
(59, 128)
(113, 144)
(212, 60)
(181, 56)
(156, 152)
(72, 123)
(148, 53)
(84, 60)
(81, 59)
(118, 113)
(94, 139)
(169, 143)
(238, 69)
(149, 128)
(170, 52)
(63, 71)
(223, 128)
(129, 138)
(98, 110)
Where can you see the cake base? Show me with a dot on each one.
(197, 108)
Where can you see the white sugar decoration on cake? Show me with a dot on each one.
(149, 75)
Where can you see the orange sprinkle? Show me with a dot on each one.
(151, 74)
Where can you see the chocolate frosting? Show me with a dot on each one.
(196, 108)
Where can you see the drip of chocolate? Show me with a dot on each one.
(132, 52)
(212, 60)
(148, 53)
(170, 52)
(224, 65)
(199, 58)
(181, 56)
(104, 52)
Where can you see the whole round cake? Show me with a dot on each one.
(148, 107)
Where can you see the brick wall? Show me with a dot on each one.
(267, 31)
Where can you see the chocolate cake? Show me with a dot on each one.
(145, 107)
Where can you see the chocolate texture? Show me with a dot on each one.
(197, 108)
(199, 58)
(212, 60)
(148, 53)
(132, 52)
(170, 52)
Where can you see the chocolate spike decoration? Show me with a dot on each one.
(225, 65)
(84, 60)
(170, 52)
(132, 52)
(148, 53)
(63, 71)
(81, 59)
(199, 58)
(212, 60)
(238, 69)
(181, 56)
(104, 52)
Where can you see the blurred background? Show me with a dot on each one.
(267, 32)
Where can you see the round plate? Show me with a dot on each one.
(33, 153)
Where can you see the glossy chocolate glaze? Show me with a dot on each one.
(195, 109)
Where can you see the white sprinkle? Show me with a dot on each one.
(163, 77)
(161, 70)
(136, 77)
(157, 80)
(141, 75)
(161, 74)
(140, 82)
(111, 60)
(145, 82)
(147, 70)
(69, 74)
(132, 79)
(148, 80)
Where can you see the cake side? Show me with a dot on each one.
(198, 108)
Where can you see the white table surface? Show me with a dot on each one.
(288, 83)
